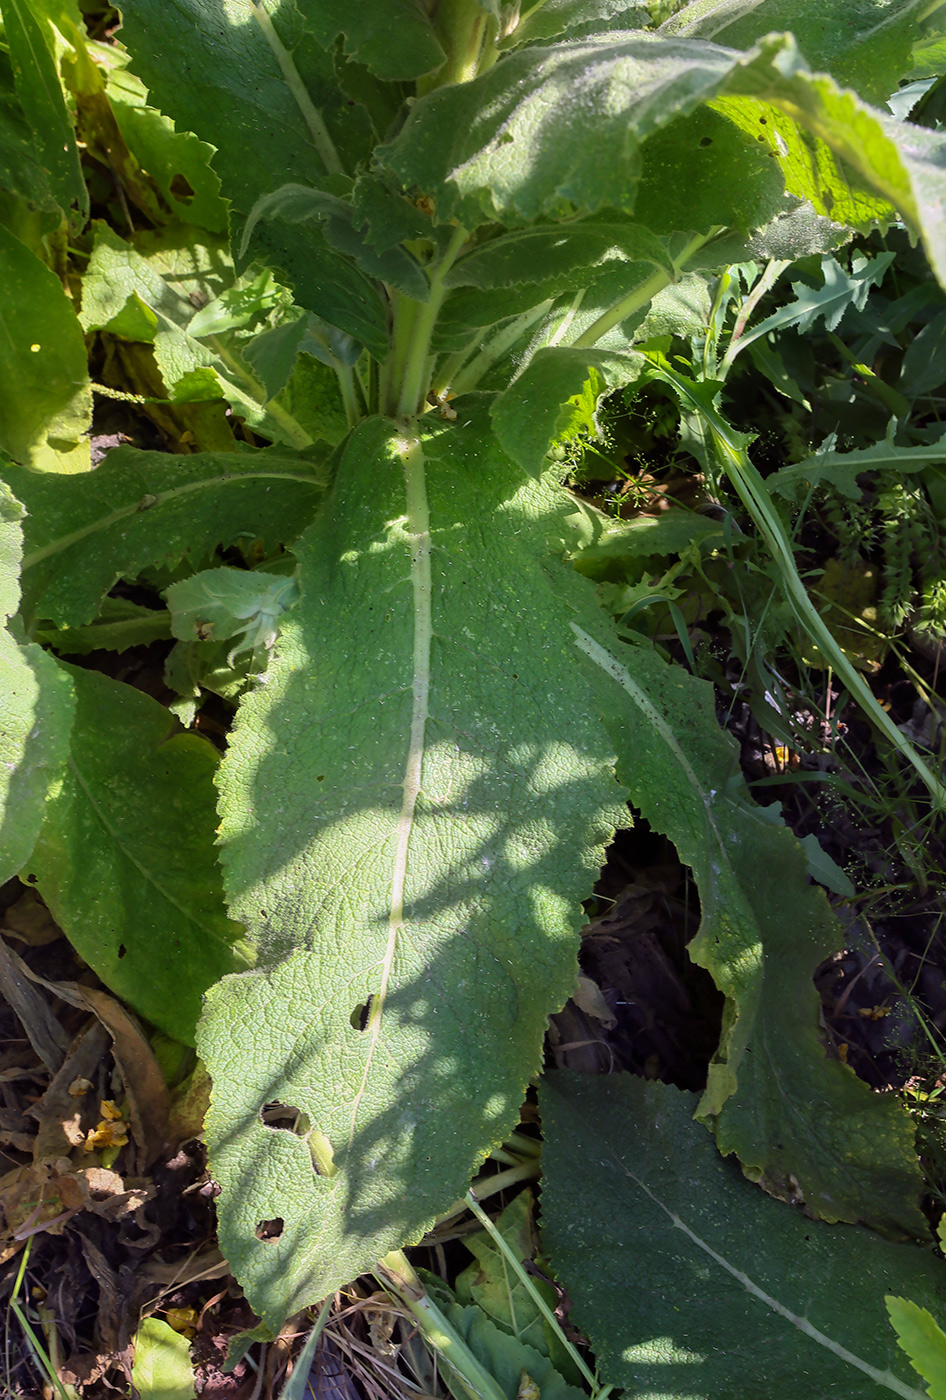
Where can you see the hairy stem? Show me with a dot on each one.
(467, 379)
(414, 345)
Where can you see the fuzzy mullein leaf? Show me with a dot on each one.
(557, 255)
(801, 1123)
(555, 398)
(46, 404)
(300, 204)
(220, 604)
(866, 44)
(512, 145)
(36, 711)
(125, 858)
(270, 101)
(574, 18)
(139, 509)
(396, 807)
(689, 1281)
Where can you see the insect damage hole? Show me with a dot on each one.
(284, 1118)
(269, 1231)
(361, 1014)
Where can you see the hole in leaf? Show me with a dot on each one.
(359, 1017)
(706, 140)
(181, 188)
(284, 1118)
(122, 950)
(270, 1230)
(505, 139)
(763, 121)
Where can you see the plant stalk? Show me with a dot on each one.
(734, 461)
(397, 1274)
(412, 340)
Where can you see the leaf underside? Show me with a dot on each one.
(420, 796)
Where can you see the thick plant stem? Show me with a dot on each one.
(397, 1274)
(310, 113)
(467, 34)
(412, 336)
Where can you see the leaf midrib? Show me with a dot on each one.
(65, 542)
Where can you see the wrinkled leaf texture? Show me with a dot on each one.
(139, 509)
(413, 808)
(125, 858)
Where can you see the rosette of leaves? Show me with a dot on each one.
(485, 207)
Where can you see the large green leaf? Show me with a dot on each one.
(44, 105)
(267, 97)
(139, 509)
(177, 161)
(558, 255)
(125, 856)
(409, 824)
(866, 44)
(46, 402)
(804, 1124)
(36, 711)
(513, 145)
(694, 1285)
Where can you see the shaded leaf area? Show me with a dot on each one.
(138, 509)
(125, 858)
(868, 48)
(277, 109)
(145, 292)
(490, 1284)
(396, 40)
(763, 1299)
(44, 106)
(555, 398)
(36, 711)
(409, 825)
(505, 1356)
(797, 1120)
(516, 149)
